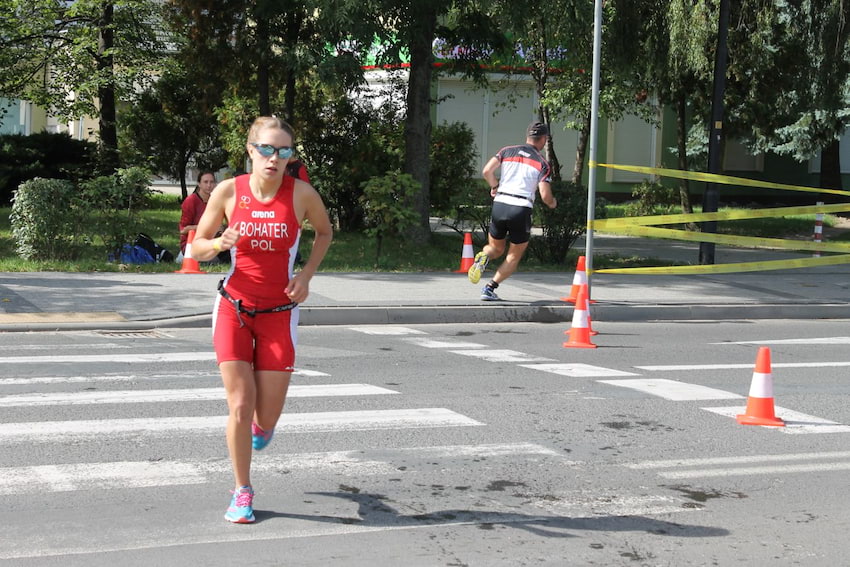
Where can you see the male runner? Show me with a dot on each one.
(524, 171)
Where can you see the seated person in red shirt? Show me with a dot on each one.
(193, 207)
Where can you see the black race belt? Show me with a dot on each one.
(237, 303)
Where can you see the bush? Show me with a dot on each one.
(46, 155)
(387, 203)
(351, 140)
(46, 220)
(453, 175)
(652, 199)
(564, 224)
(116, 201)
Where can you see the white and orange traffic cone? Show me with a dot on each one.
(589, 319)
(580, 330)
(760, 409)
(579, 278)
(190, 265)
(467, 256)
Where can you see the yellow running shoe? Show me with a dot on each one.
(479, 264)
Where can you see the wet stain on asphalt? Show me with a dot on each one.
(704, 495)
(500, 485)
(617, 424)
(646, 425)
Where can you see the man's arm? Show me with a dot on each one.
(546, 194)
(489, 174)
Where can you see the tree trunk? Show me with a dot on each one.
(581, 150)
(183, 189)
(550, 150)
(263, 66)
(830, 171)
(110, 160)
(682, 153)
(540, 72)
(293, 28)
(417, 124)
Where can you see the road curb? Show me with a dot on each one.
(512, 313)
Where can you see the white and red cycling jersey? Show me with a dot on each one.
(522, 168)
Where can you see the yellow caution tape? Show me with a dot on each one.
(732, 268)
(732, 240)
(605, 225)
(640, 226)
(715, 178)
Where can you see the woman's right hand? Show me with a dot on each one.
(228, 239)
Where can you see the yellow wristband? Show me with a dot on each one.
(217, 244)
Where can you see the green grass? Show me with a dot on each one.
(356, 252)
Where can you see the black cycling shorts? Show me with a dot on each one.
(510, 220)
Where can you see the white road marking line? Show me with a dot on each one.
(751, 365)
(577, 370)
(63, 431)
(130, 377)
(747, 471)
(101, 378)
(91, 476)
(389, 330)
(501, 355)
(746, 459)
(673, 390)
(795, 422)
(309, 373)
(143, 474)
(178, 395)
(88, 346)
(137, 357)
(431, 343)
(819, 341)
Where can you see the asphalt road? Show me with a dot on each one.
(433, 445)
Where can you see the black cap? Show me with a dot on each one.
(536, 129)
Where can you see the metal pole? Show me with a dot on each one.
(591, 162)
(710, 197)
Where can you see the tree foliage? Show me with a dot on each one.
(169, 129)
(79, 58)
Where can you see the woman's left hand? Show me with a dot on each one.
(298, 288)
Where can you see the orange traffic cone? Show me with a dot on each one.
(579, 278)
(589, 320)
(580, 330)
(190, 265)
(760, 402)
(467, 256)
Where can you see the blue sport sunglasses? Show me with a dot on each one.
(268, 150)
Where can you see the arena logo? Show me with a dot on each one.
(262, 214)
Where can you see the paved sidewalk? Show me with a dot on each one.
(54, 300)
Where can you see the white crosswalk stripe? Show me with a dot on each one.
(748, 465)
(141, 474)
(178, 395)
(577, 370)
(673, 390)
(74, 431)
(142, 377)
(128, 357)
(501, 355)
(795, 422)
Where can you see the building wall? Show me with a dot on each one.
(499, 118)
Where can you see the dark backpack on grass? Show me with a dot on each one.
(157, 252)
